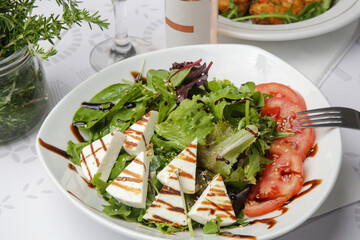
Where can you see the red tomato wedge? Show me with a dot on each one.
(282, 91)
(283, 111)
(279, 181)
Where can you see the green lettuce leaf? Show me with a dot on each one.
(111, 98)
(120, 164)
(158, 82)
(223, 146)
(188, 121)
(74, 150)
(99, 184)
(212, 226)
(124, 117)
(119, 210)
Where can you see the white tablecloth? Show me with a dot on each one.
(31, 207)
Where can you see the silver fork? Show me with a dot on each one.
(329, 117)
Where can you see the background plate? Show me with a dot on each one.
(340, 14)
(238, 63)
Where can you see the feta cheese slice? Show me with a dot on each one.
(169, 205)
(130, 187)
(140, 133)
(185, 162)
(101, 155)
(213, 202)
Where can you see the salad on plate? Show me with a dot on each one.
(272, 11)
(175, 150)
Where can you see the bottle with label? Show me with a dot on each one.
(191, 22)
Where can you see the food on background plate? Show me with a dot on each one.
(197, 142)
(272, 11)
(241, 6)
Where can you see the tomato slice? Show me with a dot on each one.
(302, 141)
(283, 111)
(282, 91)
(280, 180)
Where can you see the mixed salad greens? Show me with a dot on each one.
(232, 135)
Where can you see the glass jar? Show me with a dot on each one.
(23, 94)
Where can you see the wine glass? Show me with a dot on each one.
(121, 46)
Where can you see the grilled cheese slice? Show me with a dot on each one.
(169, 205)
(101, 155)
(213, 202)
(140, 133)
(130, 187)
(185, 162)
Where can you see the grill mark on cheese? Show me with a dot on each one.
(129, 179)
(212, 211)
(185, 175)
(189, 191)
(103, 144)
(218, 194)
(227, 207)
(219, 178)
(181, 172)
(216, 190)
(131, 131)
(173, 178)
(139, 162)
(187, 158)
(130, 145)
(177, 209)
(222, 216)
(155, 206)
(87, 167)
(171, 207)
(137, 135)
(143, 137)
(190, 152)
(170, 191)
(224, 208)
(93, 153)
(192, 145)
(143, 121)
(157, 218)
(135, 175)
(127, 188)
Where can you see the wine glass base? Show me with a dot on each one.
(104, 54)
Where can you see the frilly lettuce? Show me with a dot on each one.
(188, 121)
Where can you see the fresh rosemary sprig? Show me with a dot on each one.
(19, 28)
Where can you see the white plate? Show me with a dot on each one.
(342, 13)
(239, 63)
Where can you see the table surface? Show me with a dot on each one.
(31, 207)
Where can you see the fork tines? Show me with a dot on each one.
(322, 117)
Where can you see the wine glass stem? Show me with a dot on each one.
(121, 31)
